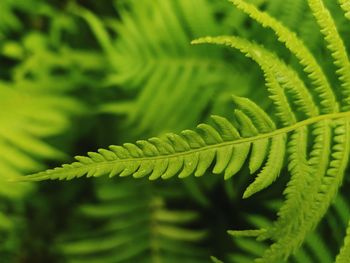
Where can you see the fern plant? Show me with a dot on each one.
(134, 68)
(139, 230)
(309, 131)
(146, 68)
(316, 247)
(24, 127)
(36, 110)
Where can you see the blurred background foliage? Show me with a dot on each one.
(79, 75)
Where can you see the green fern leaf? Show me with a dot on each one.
(163, 66)
(315, 249)
(141, 230)
(278, 75)
(344, 254)
(335, 45)
(191, 152)
(345, 5)
(296, 46)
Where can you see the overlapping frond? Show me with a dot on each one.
(161, 71)
(24, 124)
(308, 198)
(345, 5)
(281, 79)
(344, 253)
(27, 119)
(317, 246)
(139, 230)
(295, 45)
(335, 45)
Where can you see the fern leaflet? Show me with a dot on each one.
(345, 5)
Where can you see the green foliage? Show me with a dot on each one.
(315, 247)
(126, 69)
(156, 233)
(162, 65)
(345, 5)
(191, 153)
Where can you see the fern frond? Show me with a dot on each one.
(215, 260)
(335, 45)
(345, 5)
(272, 169)
(320, 200)
(316, 248)
(29, 118)
(192, 152)
(344, 253)
(304, 182)
(296, 46)
(96, 25)
(280, 78)
(141, 230)
(156, 67)
(22, 128)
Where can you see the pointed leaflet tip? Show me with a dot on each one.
(248, 193)
(215, 260)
